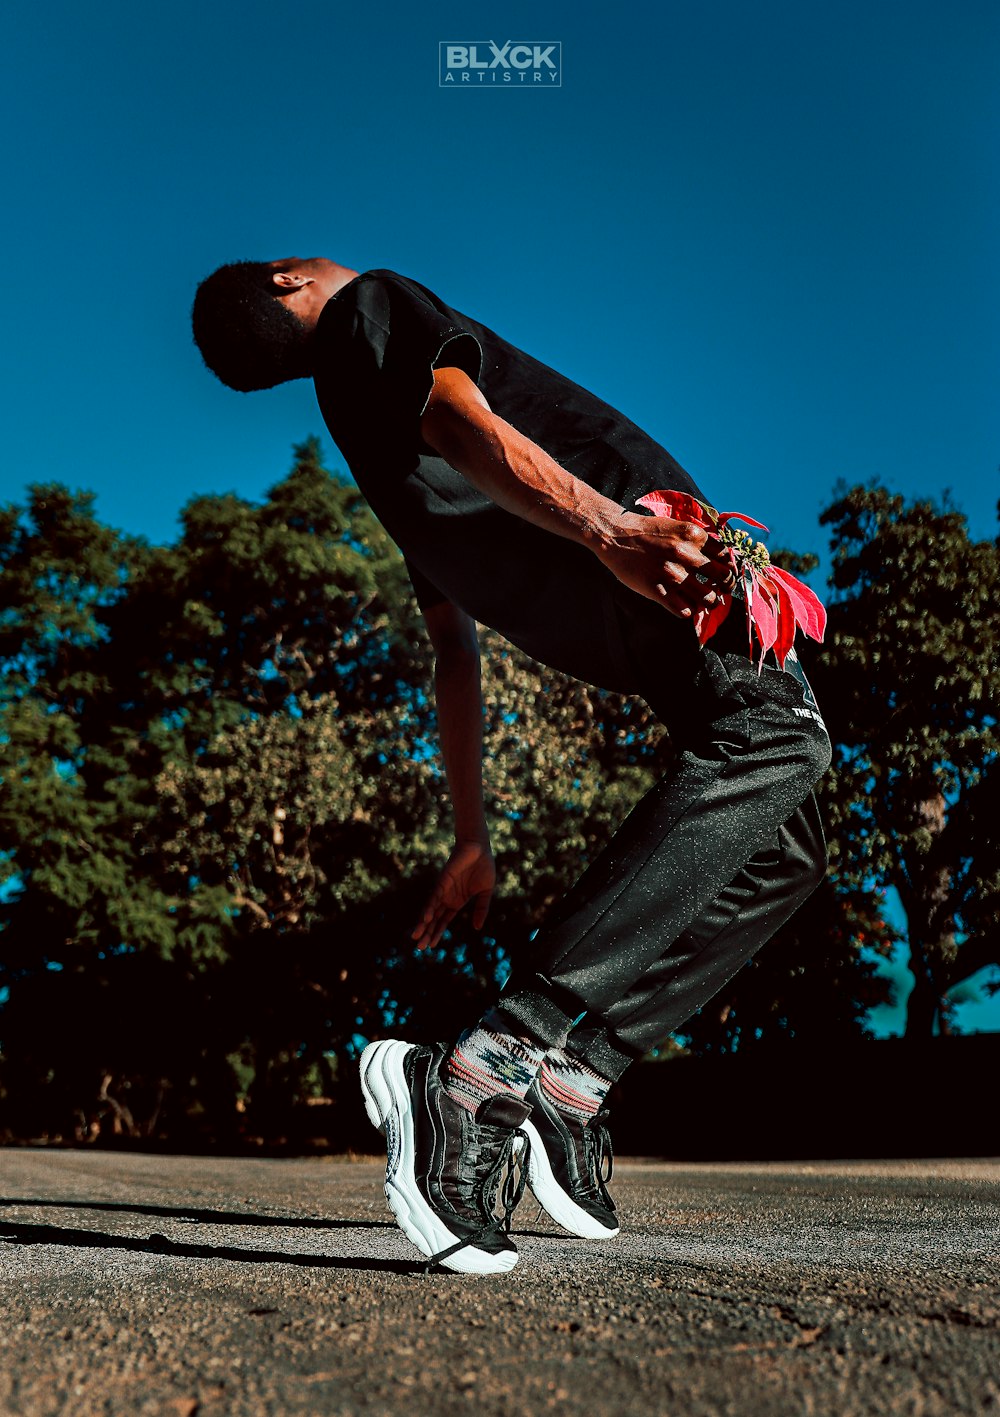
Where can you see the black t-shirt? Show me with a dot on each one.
(378, 341)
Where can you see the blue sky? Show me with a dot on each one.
(767, 232)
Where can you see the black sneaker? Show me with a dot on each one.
(445, 1165)
(569, 1165)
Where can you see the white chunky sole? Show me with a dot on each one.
(387, 1102)
(553, 1199)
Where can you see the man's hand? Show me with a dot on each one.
(469, 875)
(675, 563)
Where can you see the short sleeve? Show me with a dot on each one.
(399, 337)
(426, 592)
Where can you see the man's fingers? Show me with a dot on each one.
(687, 560)
(685, 595)
(692, 587)
(720, 566)
(428, 935)
(699, 591)
(713, 546)
(480, 910)
(703, 552)
(714, 570)
(718, 572)
(432, 938)
(669, 599)
(429, 911)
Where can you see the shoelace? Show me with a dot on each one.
(510, 1183)
(601, 1156)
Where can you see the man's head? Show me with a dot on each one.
(253, 320)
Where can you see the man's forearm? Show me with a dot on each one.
(671, 562)
(460, 725)
(518, 475)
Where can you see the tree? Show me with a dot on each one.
(910, 685)
(225, 806)
(126, 668)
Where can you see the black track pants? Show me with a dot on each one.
(715, 857)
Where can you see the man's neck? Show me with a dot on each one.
(339, 277)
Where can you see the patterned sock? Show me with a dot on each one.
(491, 1060)
(570, 1085)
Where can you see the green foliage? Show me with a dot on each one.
(223, 806)
(910, 685)
(223, 809)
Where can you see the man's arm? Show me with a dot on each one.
(672, 562)
(469, 874)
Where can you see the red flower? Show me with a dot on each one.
(777, 603)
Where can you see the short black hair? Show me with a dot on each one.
(247, 336)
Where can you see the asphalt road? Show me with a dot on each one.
(169, 1286)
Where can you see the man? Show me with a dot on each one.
(509, 490)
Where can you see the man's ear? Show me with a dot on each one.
(290, 280)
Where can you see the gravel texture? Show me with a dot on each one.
(147, 1285)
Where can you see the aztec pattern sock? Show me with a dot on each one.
(491, 1060)
(571, 1085)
